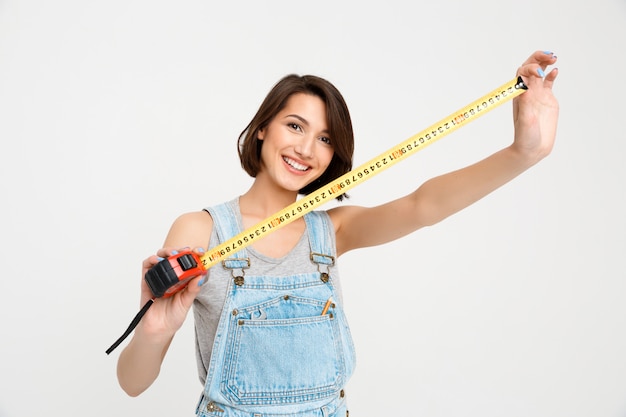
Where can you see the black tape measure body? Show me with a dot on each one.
(172, 274)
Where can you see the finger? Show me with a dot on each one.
(531, 71)
(543, 58)
(166, 252)
(191, 290)
(150, 261)
(550, 77)
(199, 251)
(535, 66)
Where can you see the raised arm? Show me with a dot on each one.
(535, 116)
(139, 363)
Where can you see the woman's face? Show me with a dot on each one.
(296, 147)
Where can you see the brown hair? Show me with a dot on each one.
(338, 119)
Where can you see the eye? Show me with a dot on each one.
(325, 140)
(295, 126)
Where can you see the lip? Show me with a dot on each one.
(289, 162)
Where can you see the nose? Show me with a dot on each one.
(305, 147)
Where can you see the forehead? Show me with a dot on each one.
(307, 106)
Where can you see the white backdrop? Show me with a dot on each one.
(117, 116)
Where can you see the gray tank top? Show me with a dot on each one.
(208, 305)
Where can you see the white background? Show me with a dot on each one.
(117, 116)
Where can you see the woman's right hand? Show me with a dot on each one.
(167, 314)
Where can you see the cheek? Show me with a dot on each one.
(326, 156)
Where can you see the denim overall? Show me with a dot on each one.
(275, 353)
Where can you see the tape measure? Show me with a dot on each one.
(171, 275)
(365, 171)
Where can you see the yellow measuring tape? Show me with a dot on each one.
(365, 171)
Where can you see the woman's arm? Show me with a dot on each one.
(139, 363)
(535, 116)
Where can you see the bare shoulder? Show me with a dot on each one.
(194, 219)
(341, 217)
(192, 229)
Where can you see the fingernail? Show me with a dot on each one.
(159, 258)
(201, 250)
(174, 252)
(548, 52)
(201, 282)
(541, 73)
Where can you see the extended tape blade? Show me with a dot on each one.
(335, 188)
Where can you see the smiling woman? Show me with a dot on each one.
(335, 115)
(271, 334)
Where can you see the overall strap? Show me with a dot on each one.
(319, 228)
(225, 222)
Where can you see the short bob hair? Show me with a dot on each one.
(337, 117)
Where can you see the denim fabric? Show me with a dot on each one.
(335, 408)
(275, 353)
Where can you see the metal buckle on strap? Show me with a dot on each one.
(236, 263)
(320, 258)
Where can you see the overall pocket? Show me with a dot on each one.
(283, 351)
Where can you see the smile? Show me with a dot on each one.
(295, 165)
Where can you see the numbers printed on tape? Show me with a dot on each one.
(365, 171)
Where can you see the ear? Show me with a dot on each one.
(260, 134)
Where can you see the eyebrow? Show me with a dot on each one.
(302, 119)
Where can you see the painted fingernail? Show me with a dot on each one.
(548, 52)
(159, 258)
(201, 282)
(541, 73)
(174, 252)
(201, 250)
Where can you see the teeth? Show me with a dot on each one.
(296, 165)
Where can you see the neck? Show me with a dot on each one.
(259, 202)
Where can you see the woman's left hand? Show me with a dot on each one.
(536, 112)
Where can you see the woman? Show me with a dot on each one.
(271, 335)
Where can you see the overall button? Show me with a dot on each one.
(211, 406)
